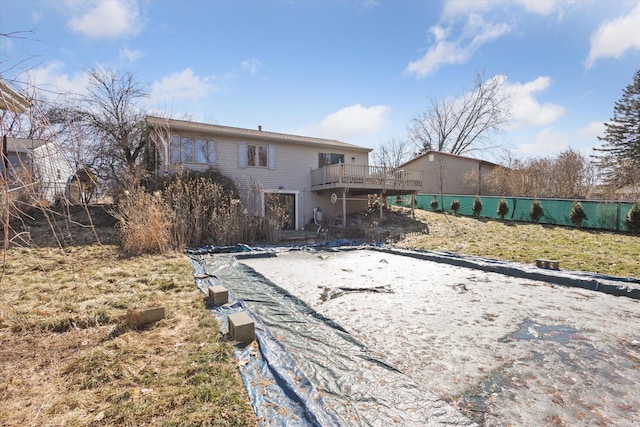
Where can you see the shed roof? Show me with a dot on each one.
(23, 145)
(442, 153)
(250, 134)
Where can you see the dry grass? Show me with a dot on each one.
(68, 357)
(584, 250)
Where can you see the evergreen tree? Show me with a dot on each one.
(619, 156)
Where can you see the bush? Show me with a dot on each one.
(577, 214)
(211, 175)
(192, 210)
(477, 207)
(633, 218)
(503, 208)
(143, 222)
(434, 204)
(455, 206)
(536, 211)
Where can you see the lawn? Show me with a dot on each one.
(70, 357)
(585, 250)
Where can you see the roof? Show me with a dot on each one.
(250, 134)
(23, 145)
(442, 153)
(11, 100)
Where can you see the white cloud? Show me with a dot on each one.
(613, 38)
(183, 85)
(539, 7)
(105, 19)
(350, 122)
(544, 8)
(547, 142)
(526, 111)
(463, 7)
(592, 131)
(475, 33)
(252, 65)
(129, 55)
(50, 80)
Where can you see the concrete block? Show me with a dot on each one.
(241, 327)
(139, 318)
(219, 295)
(546, 263)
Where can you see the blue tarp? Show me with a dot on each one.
(327, 376)
(314, 372)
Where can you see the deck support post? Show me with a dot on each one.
(381, 206)
(344, 209)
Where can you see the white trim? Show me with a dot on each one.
(296, 202)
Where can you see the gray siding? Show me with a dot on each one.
(293, 164)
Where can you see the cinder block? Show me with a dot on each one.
(546, 263)
(241, 327)
(219, 295)
(138, 318)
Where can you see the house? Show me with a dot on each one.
(304, 173)
(446, 173)
(39, 164)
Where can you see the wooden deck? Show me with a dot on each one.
(366, 179)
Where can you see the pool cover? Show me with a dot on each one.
(497, 340)
(327, 376)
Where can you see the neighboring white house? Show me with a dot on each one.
(306, 173)
(47, 168)
(446, 173)
(33, 163)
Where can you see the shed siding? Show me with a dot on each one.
(446, 174)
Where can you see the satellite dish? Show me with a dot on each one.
(334, 198)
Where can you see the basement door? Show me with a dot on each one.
(287, 201)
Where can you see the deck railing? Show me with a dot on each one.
(363, 176)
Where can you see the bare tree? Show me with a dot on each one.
(570, 174)
(106, 128)
(392, 154)
(464, 124)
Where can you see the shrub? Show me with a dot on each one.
(577, 214)
(503, 208)
(536, 211)
(143, 222)
(211, 175)
(477, 207)
(455, 206)
(633, 218)
(434, 204)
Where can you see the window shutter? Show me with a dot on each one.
(213, 152)
(272, 157)
(242, 155)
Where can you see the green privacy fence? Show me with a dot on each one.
(605, 215)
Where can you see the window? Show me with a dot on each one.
(186, 150)
(257, 155)
(193, 150)
(202, 151)
(327, 159)
(175, 149)
(263, 156)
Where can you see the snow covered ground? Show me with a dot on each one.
(505, 351)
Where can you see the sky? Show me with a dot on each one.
(355, 71)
